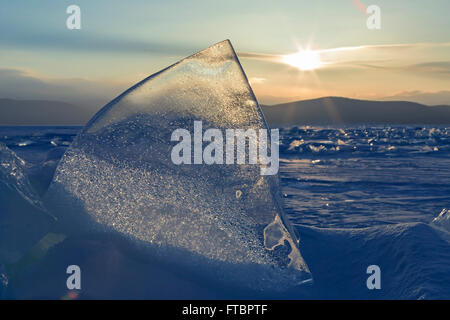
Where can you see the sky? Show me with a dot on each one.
(290, 50)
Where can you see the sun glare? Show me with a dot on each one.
(304, 60)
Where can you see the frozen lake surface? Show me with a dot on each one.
(357, 196)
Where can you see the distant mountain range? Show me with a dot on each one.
(325, 111)
(41, 112)
(337, 110)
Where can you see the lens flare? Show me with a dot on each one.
(304, 60)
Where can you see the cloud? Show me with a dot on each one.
(386, 56)
(384, 47)
(260, 56)
(435, 67)
(393, 46)
(424, 97)
(256, 80)
(89, 42)
(25, 84)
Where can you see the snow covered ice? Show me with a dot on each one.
(117, 176)
(352, 207)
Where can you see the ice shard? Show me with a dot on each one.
(442, 220)
(224, 221)
(23, 220)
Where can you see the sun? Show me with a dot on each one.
(304, 60)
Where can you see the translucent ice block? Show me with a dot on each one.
(23, 220)
(223, 221)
